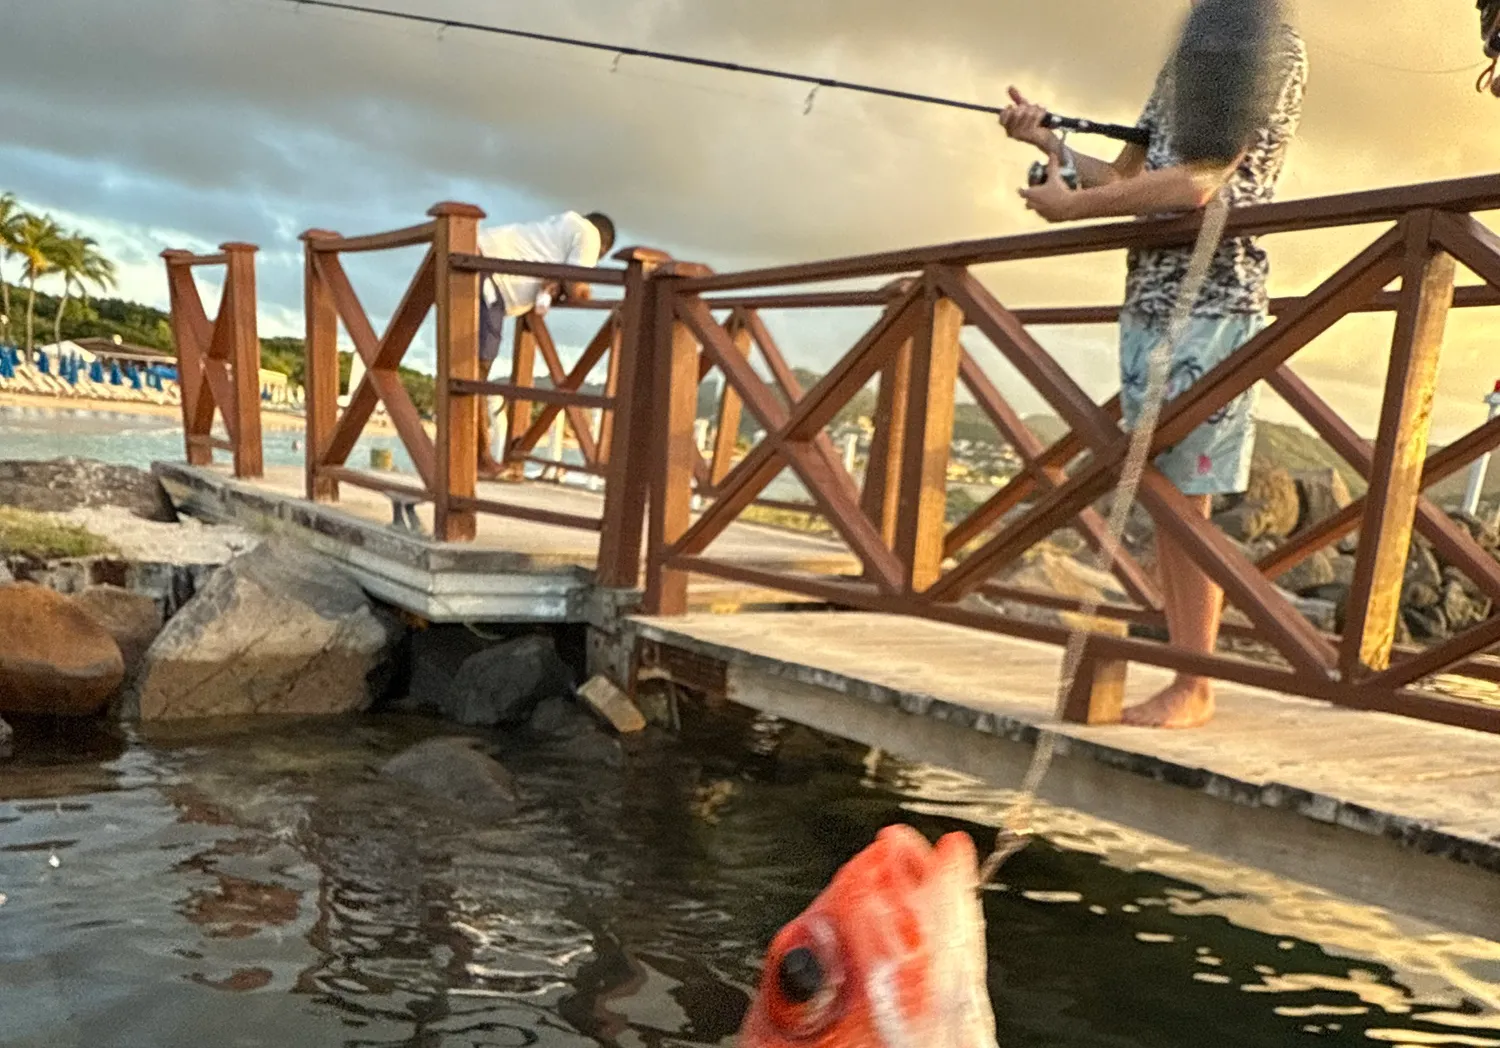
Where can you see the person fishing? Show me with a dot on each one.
(569, 239)
(1232, 307)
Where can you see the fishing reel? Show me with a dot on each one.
(1067, 168)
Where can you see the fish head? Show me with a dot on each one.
(890, 955)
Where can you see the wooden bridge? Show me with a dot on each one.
(891, 627)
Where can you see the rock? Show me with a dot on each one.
(1271, 507)
(54, 658)
(1343, 569)
(503, 685)
(454, 771)
(1480, 531)
(1335, 593)
(613, 705)
(594, 748)
(1242, 523)
(1421, 595)
(1422, 568)
(1349, 544)
(1321, 612)
(65, 484)
(278, 630)
(132, 619)
(1462, 608)
(562, 717)
(7, 739)
(1315, 571)
(436, 654)
(1321, 493)
(1425, 623)
(1053, 572)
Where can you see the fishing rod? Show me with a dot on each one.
(1053, 121)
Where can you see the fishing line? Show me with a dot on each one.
(817, 83)
(1016, 828)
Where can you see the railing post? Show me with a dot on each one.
(674, 451)
(629, 468)
(457, 232)
(244, 341)
(320, 369)
(928, 440)
(1400, 452)
(189, 334)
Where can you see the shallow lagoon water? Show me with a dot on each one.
(237, 885)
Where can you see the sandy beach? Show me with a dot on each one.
(269, 420)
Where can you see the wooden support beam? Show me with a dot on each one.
(630, 463)
(676, 408)
(928, 441)
(881, 496)
(244, 342)
(1098, 692)
(1400, 453)
(456, 231)
(321, 369)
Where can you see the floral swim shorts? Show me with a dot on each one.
(1215, 458)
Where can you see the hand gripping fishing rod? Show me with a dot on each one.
(1222, 95)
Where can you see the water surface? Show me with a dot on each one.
(260, 886)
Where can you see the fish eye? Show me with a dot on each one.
(804, 978)
(800, 976)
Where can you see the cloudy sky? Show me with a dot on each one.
(155, 123)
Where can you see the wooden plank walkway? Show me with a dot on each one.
(512, 566)
(1339, 780)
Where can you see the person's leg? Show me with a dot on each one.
(489, 346)
(1214, 459)
(1194, 608)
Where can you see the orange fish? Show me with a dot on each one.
(890, 955)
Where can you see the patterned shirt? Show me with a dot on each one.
(1236, 281)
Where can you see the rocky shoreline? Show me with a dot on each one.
(181, 621)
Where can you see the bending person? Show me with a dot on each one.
(568, 239)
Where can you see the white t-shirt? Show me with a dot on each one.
(566, 239)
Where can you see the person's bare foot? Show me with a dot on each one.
(1186, 703)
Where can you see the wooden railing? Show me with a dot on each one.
(675, 323)
(914, 563)
(218, 361)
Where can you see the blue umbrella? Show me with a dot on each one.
(96, 372)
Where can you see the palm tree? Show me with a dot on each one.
(80, 263)
(10, 221)
(39, 245)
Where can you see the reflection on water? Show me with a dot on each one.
(263, 887)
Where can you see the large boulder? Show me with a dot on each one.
(453, 771)
(503, 685)
(54, 658)
(1322, 494)
(1269, 508)
(65, 484)
(278, 630)
(134, 620)
(1314, 572)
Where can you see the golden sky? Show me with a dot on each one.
(195, 121)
